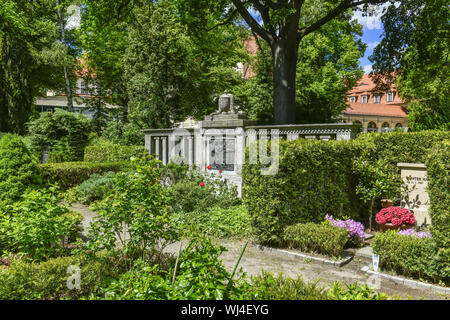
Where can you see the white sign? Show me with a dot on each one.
(375, 262)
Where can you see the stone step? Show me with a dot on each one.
(365, 252)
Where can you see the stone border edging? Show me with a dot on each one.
(408, 282)
(338, 263)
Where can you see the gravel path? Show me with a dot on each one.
(255, 260)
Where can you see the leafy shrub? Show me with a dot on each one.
(127, 134)
(97, 187)
(355, 291)
(219, 222)
(314, 178)
(70, 174)
(136, 213)
(411, 256)
(189, 195)
(112, 153)
(200, 276)
(438, 172)
(321, 238)
(64, 133)
(48, 280)
(37, 225)
(18, 168)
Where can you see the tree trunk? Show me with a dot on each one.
(285, 55)
(66, 74)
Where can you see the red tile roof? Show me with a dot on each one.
(378, 109)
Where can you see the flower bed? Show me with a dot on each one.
(355, 229)
(413, 233)
(395, 215)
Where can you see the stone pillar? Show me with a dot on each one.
(172, 151)
(164, 150)
(148, 143)
(157, 153)
(191, 151)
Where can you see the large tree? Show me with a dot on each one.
(284, 24)
(415, 53)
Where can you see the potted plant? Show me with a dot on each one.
(392, 218)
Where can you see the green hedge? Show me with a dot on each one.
(411, 256)
(314, 179)
(48, 280)
(438, 172)
(409, 147)
(112, 153)
(70, 174)
(321, 238)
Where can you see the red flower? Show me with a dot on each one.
(396, 215)
(202, 184)
(209, 167)
(220, 171)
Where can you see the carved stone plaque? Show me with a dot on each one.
(222, 154)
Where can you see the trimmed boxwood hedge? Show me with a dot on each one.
(438, 173)
(70, 174)
(321, 238)
(315, 178)
(112, 153)
(411, 256)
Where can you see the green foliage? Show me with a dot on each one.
(415, 51)
(97, 187)
(200, 276)
(37, 225)
(127, 134)
(70, 174)
(438, 173)
(18, 168)
(135, 216)
(64, 133)
(48, 280)
(112, 153)
(314, 178)
(407, 147)
(355, 291)
(28, 32)
(187, 195)
(321, 238)
(411, 256)
(231, 222)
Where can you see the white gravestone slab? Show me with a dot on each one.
(416, 200)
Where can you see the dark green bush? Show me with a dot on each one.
(315, 178)
(321, 238)
(112, 153)
(18, 168)
(37, 225)
(438, 173)
(70, 174)
(409, 147)
(64, 133)
(411, 256)
(48, 280)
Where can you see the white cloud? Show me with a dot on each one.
(372, 45)
(367, 69)
(372, 21)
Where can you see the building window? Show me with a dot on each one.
(365, 99)
(84, 87)
(353, 99)
(372, 127)
(385, 127)
(390, 96)
(377, 98)
(357, 122)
